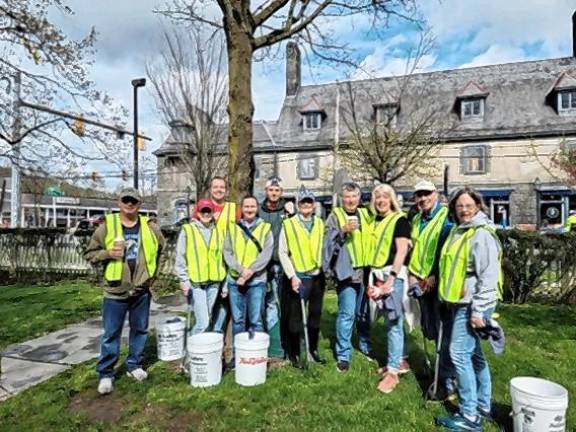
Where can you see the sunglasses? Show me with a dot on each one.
(422, 194)
(129, 200)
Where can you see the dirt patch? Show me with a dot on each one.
(166, 419)
(97, 408)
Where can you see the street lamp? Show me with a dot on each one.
(136, 83)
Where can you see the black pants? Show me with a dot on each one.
(313, 295)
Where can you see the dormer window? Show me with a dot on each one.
(386, 114)
(472, 108)
(567, 101)
(312, 120)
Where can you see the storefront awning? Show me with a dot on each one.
(496, 193)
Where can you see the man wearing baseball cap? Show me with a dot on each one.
(199, 264)
(300, 252)
(131, 249)
(430, 229)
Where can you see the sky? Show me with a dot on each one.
(467, 33)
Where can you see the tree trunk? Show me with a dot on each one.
(240, 112)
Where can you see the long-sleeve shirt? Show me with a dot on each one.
(284, 256)
(180, 264)
(262, 260)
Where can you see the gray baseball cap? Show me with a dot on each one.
(130, 192)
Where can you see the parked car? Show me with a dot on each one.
(92, 222)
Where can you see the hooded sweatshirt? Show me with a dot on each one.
(274, 217)
(481, 285)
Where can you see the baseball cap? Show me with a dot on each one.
(130, 192)
(425, 185)
(205, 204)
(305, 194)
(274, 181)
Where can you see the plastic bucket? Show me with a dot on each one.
(251, 358)
(538, 405)
(170, 338)
(205, 359)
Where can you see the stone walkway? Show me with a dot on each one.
(27, 364)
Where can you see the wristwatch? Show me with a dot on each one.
(393, 273)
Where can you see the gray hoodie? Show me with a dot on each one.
(180, 264)
(481, 286)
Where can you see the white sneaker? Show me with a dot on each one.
(138, 374)
(105, 386)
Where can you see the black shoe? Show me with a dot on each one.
(343, 366)
(295, 362)
(317, 357)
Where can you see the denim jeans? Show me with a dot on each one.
(203, 299)
(352, 303)
(113, 316)
(472, 372)
(246, 306)
(395, 333)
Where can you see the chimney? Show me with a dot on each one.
(574, 34)
(293, 68)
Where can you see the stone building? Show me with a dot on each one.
(507, 121)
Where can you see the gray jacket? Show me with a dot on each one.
(180, 264)
(335, 256)
(481, 286)
(262, 260)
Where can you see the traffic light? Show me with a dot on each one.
(94, 176)
(124, 175)
(79, 126)
(141, 143)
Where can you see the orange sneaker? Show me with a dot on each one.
(388, 383)
(404, 368)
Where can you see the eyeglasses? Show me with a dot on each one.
(129, 200)
(419, 194)
(466, 207)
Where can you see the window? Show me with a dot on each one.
(386, 114)
(473, 160)
(567, 101)
(308, 168)
(256, 170)
(472, 108)
(312, 120)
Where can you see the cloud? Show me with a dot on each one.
(497, 54)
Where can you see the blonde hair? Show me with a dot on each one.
(388, 190)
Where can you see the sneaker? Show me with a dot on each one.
(404, 368)
(138, 374)
(295, 362)
(343, 366)
(105, 386)
(389, 382)
(486, 414)
(369, 355)
(459, 423)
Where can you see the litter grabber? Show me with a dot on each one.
(305, 324)
(183, 364)
(432, 392)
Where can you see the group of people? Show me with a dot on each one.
(254, 263)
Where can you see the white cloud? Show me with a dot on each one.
(497, 54)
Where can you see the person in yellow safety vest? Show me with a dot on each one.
(430, 228)
(131, 249)
(389, 253)
(199, 264)
(469, 287)
(248, 249)
(570, 224)
(346, 253)
(300, 253)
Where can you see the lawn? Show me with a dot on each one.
(27, 312)
(540, 343)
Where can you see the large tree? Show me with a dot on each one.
(252, 27)
(190, 86)
(39, 64)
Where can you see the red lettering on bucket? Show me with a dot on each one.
(253, 360)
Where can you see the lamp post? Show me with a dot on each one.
(136, 83)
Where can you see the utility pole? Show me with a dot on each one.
(136, 83)
(15, 196)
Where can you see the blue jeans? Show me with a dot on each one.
(352, 304)
(113, 316)
(203, 299)
(246, 306)
(272, 303)
(472, 372)
(395, 334)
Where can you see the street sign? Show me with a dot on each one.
(54, 191)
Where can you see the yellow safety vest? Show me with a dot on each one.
(226, 217)
(454, 264)
(305, 247)
(148, 240)
(569, 222)
(425, 243)
(358, 242)
(204, 261)
(245, 250)
(382, 237)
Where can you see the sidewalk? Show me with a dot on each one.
(27, 364)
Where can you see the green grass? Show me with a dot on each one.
(27, 312)
(540, 343)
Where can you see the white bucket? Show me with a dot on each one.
(251, 358)
(170, 338)
(538, 405)
(205, 359)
